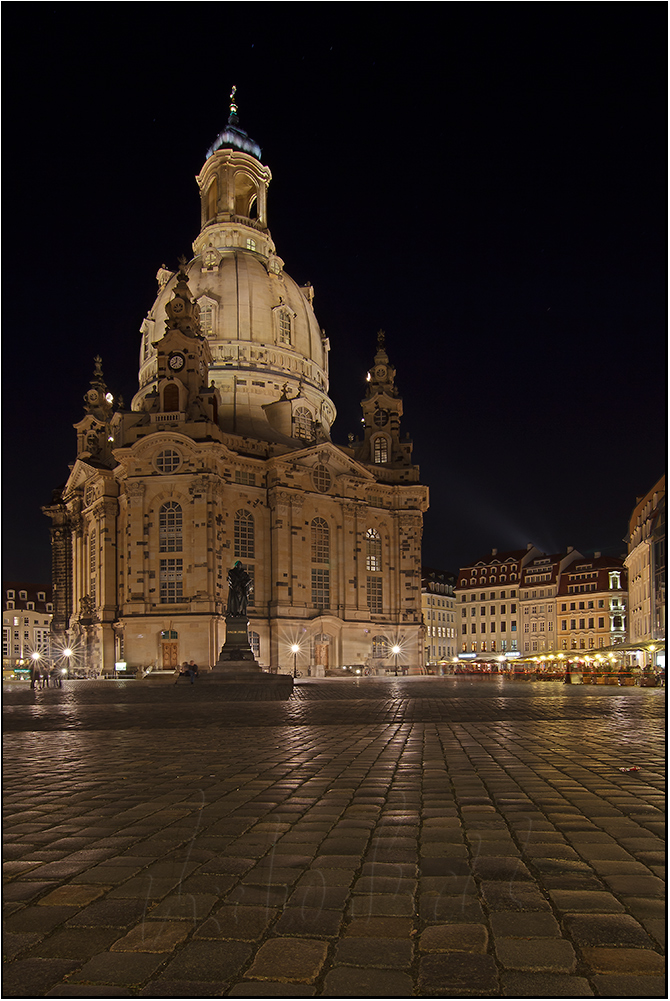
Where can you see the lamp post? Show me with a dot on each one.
(36, 667)
(294, 650)
(67, 653)
(395, 650)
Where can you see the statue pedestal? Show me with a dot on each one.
(240, 671)
(236, 655)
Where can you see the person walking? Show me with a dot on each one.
(193, 671)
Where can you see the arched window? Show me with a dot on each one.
(303, 425)
(171, 397)
(170, 528)
(284, 326)
(244, 535)
(212, 198)
(380, 647)
(381, 449)
(373, 550)
(206, 317)
(320, 555)
(320, 541)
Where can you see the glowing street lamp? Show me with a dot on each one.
(395, 650)
(294, 650)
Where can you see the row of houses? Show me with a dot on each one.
(530, 604)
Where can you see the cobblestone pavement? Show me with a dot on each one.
(405, 838)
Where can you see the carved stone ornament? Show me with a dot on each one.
(199, 485)
(136, 490)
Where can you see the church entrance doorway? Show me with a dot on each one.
(321, 658)
(169, 649)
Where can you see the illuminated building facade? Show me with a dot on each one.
(645, 564)
(226, 454)
(487, 593)
(438, 605)
(27, 612)
(592, 604)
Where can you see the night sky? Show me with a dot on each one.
(485, 182)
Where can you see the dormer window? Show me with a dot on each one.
(303, 424)
(41, 596)
(284, 326)
(251, 244)
(11, 593)
(23, 595)
(31, 606)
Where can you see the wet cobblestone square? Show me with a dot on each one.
(409, 837)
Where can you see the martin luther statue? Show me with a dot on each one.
(240, 587)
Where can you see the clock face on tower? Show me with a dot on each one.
(176, 361)
(380, 372)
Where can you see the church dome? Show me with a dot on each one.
(269, 355)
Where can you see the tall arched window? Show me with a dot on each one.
(244, 535)
(284, 326)
(206, 317)
(321, 557)
(92, 564)
(373, 550)
(170, 528)
(212, 198)
(381, 449)
(320, 541)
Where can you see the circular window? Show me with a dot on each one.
(381, 418)
(322, 479)
(167, 461)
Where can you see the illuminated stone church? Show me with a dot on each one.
(225, 455)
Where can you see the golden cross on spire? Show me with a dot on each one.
(233, 105)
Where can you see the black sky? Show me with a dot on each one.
(486, 182)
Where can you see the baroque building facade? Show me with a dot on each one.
(645, 563)
(226, 455)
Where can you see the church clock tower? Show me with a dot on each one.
(382, 410)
